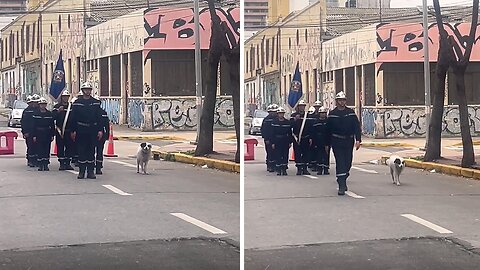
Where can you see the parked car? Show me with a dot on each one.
(256, 123)
(15, 115)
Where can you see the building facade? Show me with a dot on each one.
(256, 12)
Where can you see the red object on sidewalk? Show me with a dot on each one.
(55, 150)
(110, 147)
(9, 147)
(250, 153)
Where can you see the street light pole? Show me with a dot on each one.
(426, 64)
(198, 67)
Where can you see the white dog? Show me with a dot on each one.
(143, 156)
(396, 165)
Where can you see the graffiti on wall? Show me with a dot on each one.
(115, 37)
(174, 28)
(177, 113)
(404, 42)
(305, 49)
(112, 107)
(411, 122)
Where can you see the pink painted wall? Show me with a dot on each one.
(173, 29)
(404, 42)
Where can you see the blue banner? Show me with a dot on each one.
(296, 92)
(58, 79)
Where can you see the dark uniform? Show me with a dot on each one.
(312, 118)
(27, 129)
(322, 156)
(266, 131)
(281, 138)
(343, 129)
(43, 132)
(64, 143)
(86, 123)
(105, 127)
(302, 149)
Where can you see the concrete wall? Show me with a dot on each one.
(169, 113)
(402, 122)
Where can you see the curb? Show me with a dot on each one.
(441, 168)
(386, 144)
(461, 144)
(221, 165)
(148, 137)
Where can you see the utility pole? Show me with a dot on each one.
(198, 67)
(84, 69)
(426, 64)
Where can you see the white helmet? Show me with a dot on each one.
(281, 110)
(318, 103)
(311, 109)
(341, 95)
(272, 108)
(301, 102)
(29, 99)
(42, 101)
(35, 98)
(66, 93)
(323, 110)
(86, 85)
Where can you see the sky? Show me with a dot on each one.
(414, 3)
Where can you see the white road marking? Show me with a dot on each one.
(71, 171)
(124, 163)
(364, 170)
(198, 223)
(427, 224)
(311, 176)
(116, 190)
(353, 195)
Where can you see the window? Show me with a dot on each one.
(33, 36)
(27, 38)
(267, 53)
(59, 23)
(68, 21)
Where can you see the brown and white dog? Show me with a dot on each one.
(144, 154)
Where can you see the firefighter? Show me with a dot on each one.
(281, 141)
(266, 131)
(317, 105)
(86, 130)
(27, 128)
(43, 134)
(302, 140)
(322, 155)
(64, 143)
(105, 127)
(343, 134)
(312, 151)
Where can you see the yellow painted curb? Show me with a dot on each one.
(200, 161)
(386, 144)
(460, 144)
(234, 137)
(441, 168)
(149, 137)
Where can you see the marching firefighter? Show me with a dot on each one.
(61, 112)
(43, 133)
(105, 128)
(322, 154)
(86, 130)
(27, 128)
(311, 120)
(343, 134)
(317, 105)
(281, 140)
(302, 139)
(266, 131)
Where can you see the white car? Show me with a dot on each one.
(257, 120)
(15, 115)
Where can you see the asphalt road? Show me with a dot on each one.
(299, 222)
(177, 217)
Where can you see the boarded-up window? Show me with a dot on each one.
(104, 77)
(115, 76)
(28, 39)
(136, 70)
(33, 36)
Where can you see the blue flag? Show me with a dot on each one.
(58, 79)
(296, 92)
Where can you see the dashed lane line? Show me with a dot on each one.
(364, 170)
(116, 190)
(353, 195)
(198, 223)
(311, 176)
(427, 224)
(72, 171)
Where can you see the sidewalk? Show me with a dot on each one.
(178, 146)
